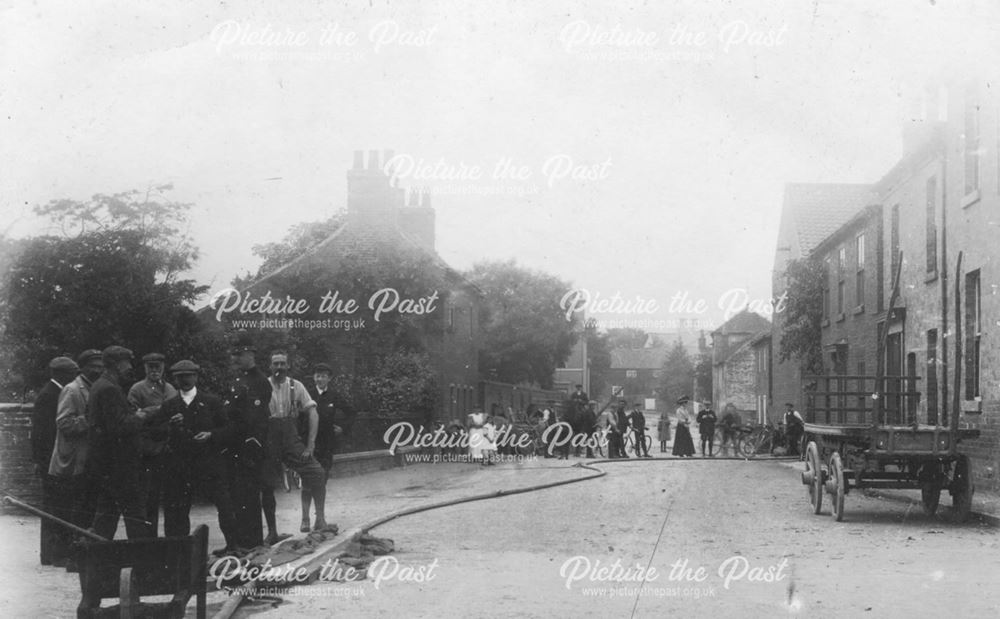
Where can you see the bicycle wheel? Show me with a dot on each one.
(649, 443)
(748, 445)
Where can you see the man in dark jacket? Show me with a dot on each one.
(638, 421)
(619, 427)
(115, 457)
(247, 409)
(195, 464)
(55, 540)
(706, 428)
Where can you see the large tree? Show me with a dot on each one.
(803, 315)
(299, 239)
(677, 377)
(113, 274)
(598, 361)
(526, 335)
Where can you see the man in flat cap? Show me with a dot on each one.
(195, 464)
(116, 456)
(247, 409)
(148, 395)
(54, 548)
(68, 463)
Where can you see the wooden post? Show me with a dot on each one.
(956, 408)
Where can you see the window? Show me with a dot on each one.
(631, 373)
(841, 267)
(931, 227)
(859, 282)
(971, 139)
(973, 328)
(932, 382)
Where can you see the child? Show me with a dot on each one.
(489, 442)
(663, 431)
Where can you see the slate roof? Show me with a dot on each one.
(820, 209)
(745, 322)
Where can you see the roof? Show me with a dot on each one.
(820, 209)
(745, 322)
(749, 344)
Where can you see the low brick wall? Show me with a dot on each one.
(348, 465)
(17, 474)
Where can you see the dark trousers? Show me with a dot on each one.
(204, 477)
(708, 437)
(120, 494)
(153, 468)
(55, 539)
(794, 437)
(246, 485)
(616, 445)
(640, 442)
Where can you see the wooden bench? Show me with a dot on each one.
(129, 570)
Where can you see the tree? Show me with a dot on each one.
(113, 275)
(703, 375)
(627, 338)
(300, 238)
(598, 361)
(803, 316)
(526, 335)
(678, 374)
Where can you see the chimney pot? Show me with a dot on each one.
(359, 159)
(373, 163)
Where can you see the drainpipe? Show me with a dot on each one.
(945, 337)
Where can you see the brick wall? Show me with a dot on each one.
(16, 468)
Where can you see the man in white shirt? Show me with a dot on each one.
(289, 400)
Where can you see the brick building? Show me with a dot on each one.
(382, 215)
(853, 302)
(810, 212)
(735, 361)
(638, 370)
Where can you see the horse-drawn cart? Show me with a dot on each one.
(854, 445)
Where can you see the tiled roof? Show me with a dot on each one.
(819, 209)
(745, 322)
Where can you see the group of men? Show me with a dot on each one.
(106, 447)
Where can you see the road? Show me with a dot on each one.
(746, 525)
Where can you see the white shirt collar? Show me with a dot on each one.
(189, 396)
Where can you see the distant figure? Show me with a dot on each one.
(706, 428)
(683, 445)
(794, 428)
(730, 426)
(474, 423)
(663, 431)
(638, 421)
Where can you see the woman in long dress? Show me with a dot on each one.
(683, 445)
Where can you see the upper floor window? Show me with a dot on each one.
(859, 282)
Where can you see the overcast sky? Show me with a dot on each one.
(682, 120)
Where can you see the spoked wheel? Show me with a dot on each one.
(748, 446)
(962, 489)
(835, 486)
(813, 477)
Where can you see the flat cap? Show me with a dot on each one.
(87, 355)
(117, 353)
(243, 342)
(63, 364)
(184, 366)
(153, 357)
(683, 399)
(322, 367)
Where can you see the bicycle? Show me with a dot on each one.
(630, 442)
(760, 439)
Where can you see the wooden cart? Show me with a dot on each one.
(862, 432)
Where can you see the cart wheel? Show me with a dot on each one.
(962, 489)
(816, 479)
(930, 493)
(836, 486)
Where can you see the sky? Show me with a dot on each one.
(630, 149)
